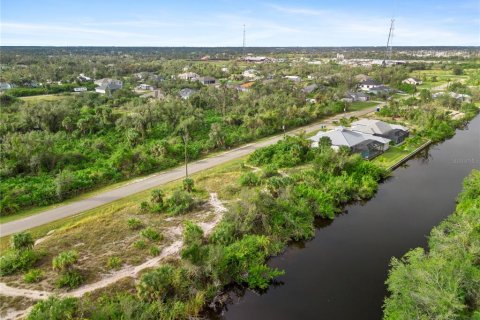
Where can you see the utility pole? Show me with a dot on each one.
(388, 51)
(244, 41)
(185, 141)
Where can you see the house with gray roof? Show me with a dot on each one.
(367, 145)
(310, 88)
(107, 85)
(355, 96)
(207, 80)
(185, 93)
(393, 132)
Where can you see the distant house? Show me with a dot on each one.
(107, 85)
(293, 78)
(190, 76)
(413, 81)
(83, 78)
(256, 59)
(224, 69)
(5, 86)
(310, 88)
(367, 145)
(362, 77)
(355, 96)
(461, 96)
(79, 89)
(207, 80)
(145, 86)
(155, 94)
(250, 73)
(380, 90)
(186, 93)
(394, 132)
(368, 84)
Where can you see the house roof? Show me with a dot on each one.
(186, 92)
(370, 82)
(370, 126)
(310, 88)
(341, 136)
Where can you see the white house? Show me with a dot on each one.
(80, 89)
(368, 84)
(190, 76)
(83, 78)
(293, 78)
(413, 81)
(250, 73)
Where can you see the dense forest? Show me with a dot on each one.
(442, 282)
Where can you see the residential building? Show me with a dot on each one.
(293, 78)
(413, 81)
(368, 84)
(367, 145)
(250, 73)
(6, 85)
(355, 96)
(310, 88)
(79, 89)
(107, 85)
(155, 94)
(145, 86)
(207, 80)
(83, 78)
(394, 132)
(190, 76)
(186, 93)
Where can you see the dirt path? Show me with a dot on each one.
(172, 250)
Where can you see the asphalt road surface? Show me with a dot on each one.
(154, 180)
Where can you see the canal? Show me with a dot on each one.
(340, 274)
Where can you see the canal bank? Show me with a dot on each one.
(340, 274)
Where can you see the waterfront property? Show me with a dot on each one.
(367, 145)
(394, 132)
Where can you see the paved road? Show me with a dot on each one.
(154, 180)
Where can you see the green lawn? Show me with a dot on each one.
(396, 153)
(360, 105)
(45, 97)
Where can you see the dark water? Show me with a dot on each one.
(340, 274)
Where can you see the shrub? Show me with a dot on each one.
(157, 196)
(188, 184)
(54, 309)
(21, 241)
(193, 249)
(33, 275)
(180, 202)
(70, 279)
(65, 260)
(154, 251)
(249, 179)
(151, 234)
(166, 283)
(140, 244)
(64, 184)
(144, 206)
(134, 224)
(114, 263)
(244, 261)
(13, 261)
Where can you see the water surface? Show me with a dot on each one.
(340, 274)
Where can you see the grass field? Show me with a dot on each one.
(396, 153)
(45, 97)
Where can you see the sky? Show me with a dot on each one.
(220, 23)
